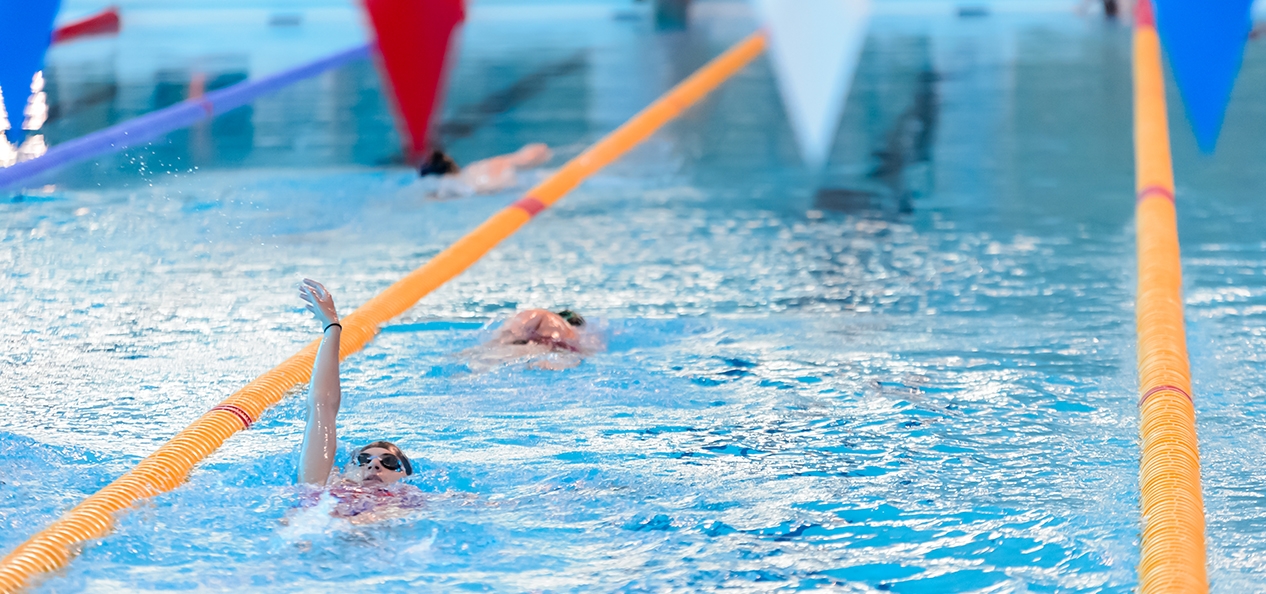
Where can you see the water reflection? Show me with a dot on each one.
(328, 119)
(29, 142)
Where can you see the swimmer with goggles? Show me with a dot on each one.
(380, 463)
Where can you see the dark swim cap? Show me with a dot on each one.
(438, 164)
(390, 447)
(571, 317)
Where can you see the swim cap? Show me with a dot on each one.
(571, 317)
(438, 164)
(390, 447)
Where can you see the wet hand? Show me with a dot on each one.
(318, 301)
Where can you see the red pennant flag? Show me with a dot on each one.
(414, 37)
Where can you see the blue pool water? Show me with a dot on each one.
(920, 381)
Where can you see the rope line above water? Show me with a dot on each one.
(1172, 553)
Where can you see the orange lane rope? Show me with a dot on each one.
(168, 467)
(1172, 555)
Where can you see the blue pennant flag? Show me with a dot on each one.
(26, 29)
(1204, 40)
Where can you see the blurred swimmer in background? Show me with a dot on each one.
(487, 176)
(543, 327)
(541, 338)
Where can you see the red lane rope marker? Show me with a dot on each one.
(1159, 389)
(1159, 191)
(1143, 16)
(106, 21)
(530, 205)
(241, 415)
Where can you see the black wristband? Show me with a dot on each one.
(340, 327)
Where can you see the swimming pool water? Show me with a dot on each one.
(932, 397)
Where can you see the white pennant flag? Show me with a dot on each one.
(814, 47)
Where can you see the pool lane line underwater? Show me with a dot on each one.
(147, 127)
(1172, 552)
(471, 118)
(169, 466)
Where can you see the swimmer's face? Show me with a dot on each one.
(372, 471)
(551, 327)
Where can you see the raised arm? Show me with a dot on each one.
(320, 439)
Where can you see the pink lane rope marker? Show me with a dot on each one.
(1161, 191)
(241, 415)
(530, 205)
(1166, 388)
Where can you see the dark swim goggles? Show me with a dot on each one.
(388, 461)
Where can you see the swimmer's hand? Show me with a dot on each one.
(319, 301)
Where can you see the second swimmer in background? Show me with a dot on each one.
(487, 176)
(542, 338)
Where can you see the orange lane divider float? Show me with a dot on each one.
(1172, 556)
(168, 467)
